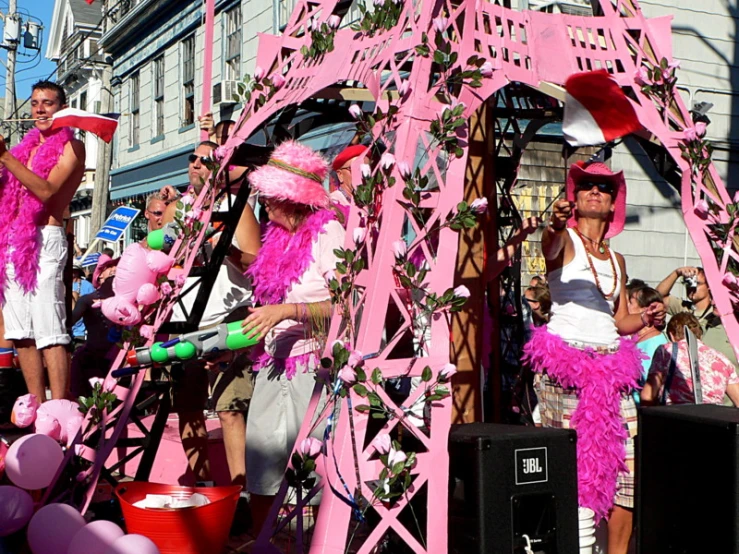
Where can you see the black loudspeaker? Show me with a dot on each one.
(686, 481)
(507, 481)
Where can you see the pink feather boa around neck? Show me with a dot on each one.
(22, 212)
(281, 262)
(599, 381)
(284, 257)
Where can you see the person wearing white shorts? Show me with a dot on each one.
(40, 315)
(38, 179)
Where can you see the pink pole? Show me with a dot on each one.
(210, 10)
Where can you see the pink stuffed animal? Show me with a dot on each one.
(135, 284)
(59, 419)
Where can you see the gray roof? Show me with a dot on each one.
(86, 14)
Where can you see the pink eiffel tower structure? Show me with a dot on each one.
(381, 64)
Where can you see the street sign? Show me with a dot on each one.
(117, 223)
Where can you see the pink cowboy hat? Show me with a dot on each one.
(600, 172)
(104, 262)
(294, 173)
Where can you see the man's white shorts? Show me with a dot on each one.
(40, 315)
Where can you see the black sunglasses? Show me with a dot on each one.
(192, 158)
(158, 214)
(606, 188)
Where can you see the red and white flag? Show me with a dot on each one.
(596, 110)
(102, 126)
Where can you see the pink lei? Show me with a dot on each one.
(599, 381)
(22, 212)
(281, 262)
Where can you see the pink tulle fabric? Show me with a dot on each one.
(22, 212)
(599, 381)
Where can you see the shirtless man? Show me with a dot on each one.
(41, 175)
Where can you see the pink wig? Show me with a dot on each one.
(297, 176)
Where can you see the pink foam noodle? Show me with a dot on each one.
(600, 381)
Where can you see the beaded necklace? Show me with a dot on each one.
(600, 244)
(592, 266)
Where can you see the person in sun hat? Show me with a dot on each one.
(587, 363)
(104, 269)
(80, 287)
(290, 285)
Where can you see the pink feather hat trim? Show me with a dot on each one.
(600, 172)
(282, 184)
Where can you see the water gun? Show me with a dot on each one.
(163, 239)
(226, 336)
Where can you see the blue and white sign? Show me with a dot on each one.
(117, 223)
(90, 260)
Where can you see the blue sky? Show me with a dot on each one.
(28, 69)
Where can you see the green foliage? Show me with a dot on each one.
(100, 402)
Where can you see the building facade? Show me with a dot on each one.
(157, 51)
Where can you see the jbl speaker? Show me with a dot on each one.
(507, 481)
(687, 490)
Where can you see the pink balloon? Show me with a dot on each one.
(16, 509)
(32, 461)
(133, 544)
(53, 527)
(95, 538)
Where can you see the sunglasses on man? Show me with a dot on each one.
(192, 158)
(156, 213)
(604, 187)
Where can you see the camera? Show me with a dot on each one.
(691, 282)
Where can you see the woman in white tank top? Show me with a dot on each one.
(588, 368)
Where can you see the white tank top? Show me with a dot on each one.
(579, 311)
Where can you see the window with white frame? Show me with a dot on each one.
(284, 9)
(233, 44)
(188, 80)
(159, 95)
(133, 136)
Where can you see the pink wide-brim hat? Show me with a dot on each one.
(599, 172)
(104, 262)
(294, 173)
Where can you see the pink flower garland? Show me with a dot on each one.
(22, 212)
(599, 381)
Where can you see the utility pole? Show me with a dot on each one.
(102, 167)
(11, 36)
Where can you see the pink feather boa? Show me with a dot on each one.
(284, 257)
(599, 381)
(288, 365)
(22, 212)
(281, 262)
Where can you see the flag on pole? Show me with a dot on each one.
(102, 126)
(596, 110)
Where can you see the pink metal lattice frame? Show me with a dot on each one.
(536, 49)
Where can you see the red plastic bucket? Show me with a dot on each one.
(197, 530)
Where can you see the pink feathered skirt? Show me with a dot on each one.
(590, 391)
